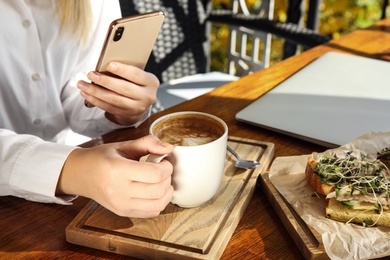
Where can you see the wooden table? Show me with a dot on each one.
(32, 230)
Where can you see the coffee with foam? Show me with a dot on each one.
(198, 158)
(188, 130)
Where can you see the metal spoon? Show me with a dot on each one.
(242, 163)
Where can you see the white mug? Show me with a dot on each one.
(198, 158)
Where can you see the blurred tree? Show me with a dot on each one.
(337, 17)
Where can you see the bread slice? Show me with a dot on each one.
(337, 211)
(361, 211)
(314, 179)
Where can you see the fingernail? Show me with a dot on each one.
(112, 67)
(82, 85)
(93, 76)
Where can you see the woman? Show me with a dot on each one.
(46, 48)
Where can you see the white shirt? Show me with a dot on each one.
(38, 98)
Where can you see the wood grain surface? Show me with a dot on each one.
(308, 248)
(198, 233)
(37, 231)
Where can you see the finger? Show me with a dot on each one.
(145, 145)
(117, 93)
(130, 108)
(151, 191)
(144, 207)
(133, 74)
(120, 86)
(151, 173)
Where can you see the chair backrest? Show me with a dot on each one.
(385, 3)
(182, 47)
(243, 59)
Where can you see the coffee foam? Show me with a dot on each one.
(188, 129)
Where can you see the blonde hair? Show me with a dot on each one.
(76, 17)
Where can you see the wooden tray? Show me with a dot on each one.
(298, 231)
(196, 233)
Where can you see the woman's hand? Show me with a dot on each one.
(125, 99)
(111, 175)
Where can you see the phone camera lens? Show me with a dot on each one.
(118, 34)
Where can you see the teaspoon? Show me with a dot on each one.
(242, 163)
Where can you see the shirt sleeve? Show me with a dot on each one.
(30, 167)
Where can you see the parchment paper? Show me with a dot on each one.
(341, 241)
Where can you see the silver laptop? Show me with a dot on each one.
(331, 101)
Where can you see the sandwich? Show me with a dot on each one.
(356, 185)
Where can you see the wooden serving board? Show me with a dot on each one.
(195, 233)
(292, 223)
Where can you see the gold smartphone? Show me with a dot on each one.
(130, 40)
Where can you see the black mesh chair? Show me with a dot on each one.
(182, 47)
(179, 50)
(385, 3)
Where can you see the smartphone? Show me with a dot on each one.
(130, 40)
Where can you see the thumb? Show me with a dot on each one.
(156, 146)
(149, 144)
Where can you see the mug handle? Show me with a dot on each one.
(155, 158)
